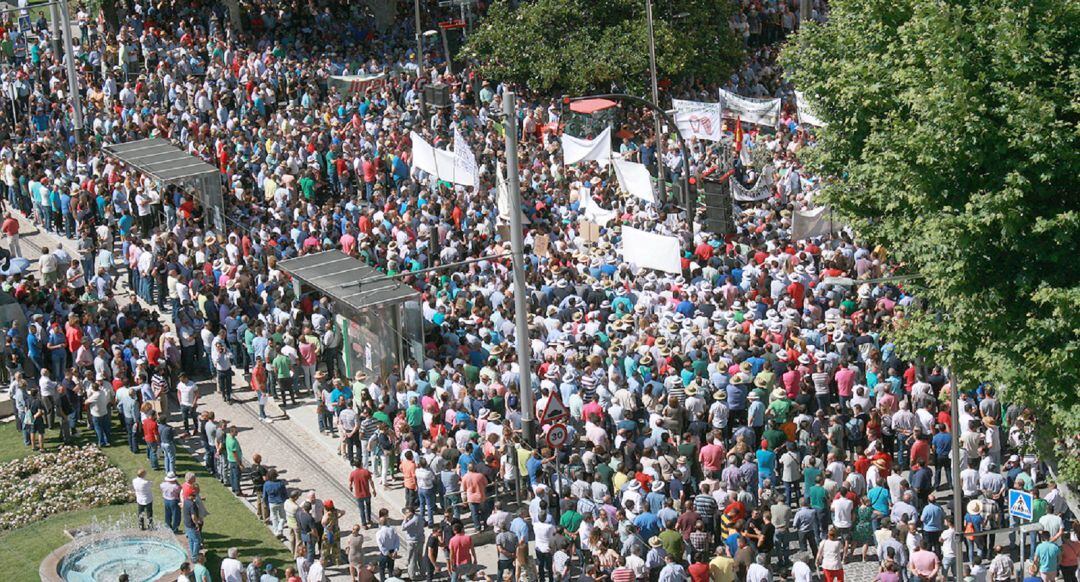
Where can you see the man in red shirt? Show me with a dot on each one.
(363, 488)
(461, 551)
(10, 229)
(150, 435)
(699, 570)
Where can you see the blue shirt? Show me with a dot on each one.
(648, 524)
(942, 443)
(533, 466)
(520, 528)
(933, 518)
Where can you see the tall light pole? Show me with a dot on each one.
(420, 59)
(660, 181)
(517, 246)
(73, 81)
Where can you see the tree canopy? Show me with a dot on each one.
(953, 142)
(582, 45)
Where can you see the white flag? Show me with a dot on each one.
(577, 150)
(592, 211)
(651, 251)
(635, 179)
(441, 164)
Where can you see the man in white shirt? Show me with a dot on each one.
(144, 498)
(545, 533)
(317, 572)
(759, 571)
(800, 572)
(232, 570)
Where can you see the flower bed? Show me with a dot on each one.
(38, 486)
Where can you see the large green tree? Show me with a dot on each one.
(952, 139)
(586, 45)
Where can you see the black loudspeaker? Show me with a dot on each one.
(437, 95)
(718, 207)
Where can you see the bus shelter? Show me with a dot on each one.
(379, 319)
(168, 165)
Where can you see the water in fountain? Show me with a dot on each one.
(105, 549)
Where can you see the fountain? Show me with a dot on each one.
(100, 552)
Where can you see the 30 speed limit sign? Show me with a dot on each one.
(556, 436)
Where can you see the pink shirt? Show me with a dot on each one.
(307, 354)
(845, 380)
(475, 487)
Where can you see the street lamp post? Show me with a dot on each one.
(517, 245)
(420, 60)
(73, 81)
(661, 183)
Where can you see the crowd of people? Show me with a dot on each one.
(745, 419)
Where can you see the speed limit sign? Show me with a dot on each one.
(556, 436)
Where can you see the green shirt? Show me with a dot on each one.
(200, 573)
(414, 415)
(781, 409)
(307, 186)
(774, 438)
(672, 542)
(810, 475)
(283, 366)
(1039, 508)
(817, 496)
(571, 521)
(232, 449)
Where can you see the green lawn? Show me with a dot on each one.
(229, 524)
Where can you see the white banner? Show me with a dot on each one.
(759, 111)
(423, 154)
(651, 251)
(577, 150)
(351, 84)
(813, 223)
(441, 164)
(806, 112)
(697, 119)
(465, 160)
(761, 189)
(634, 178)
(591, 210)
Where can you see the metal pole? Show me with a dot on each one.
(517, 242)
(446, 52)
(73, 81)
(420, 60)
(957, 491)
(661, 183)
(54, 28)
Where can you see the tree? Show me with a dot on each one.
(952, 140)
(586, 45)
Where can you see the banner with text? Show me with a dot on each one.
(749, 110)
(697, 119)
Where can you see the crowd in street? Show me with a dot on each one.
(745, 419)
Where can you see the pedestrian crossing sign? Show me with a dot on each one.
(1020, 504)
